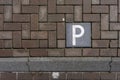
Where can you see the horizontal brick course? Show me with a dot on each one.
(109, 35)
(62, 75)
(56, 17)
(30, 9)
(64, 9)
(91, 17)
(21, 18)
(73, 2)
(12, 26)
(100, 9)
(47, 26)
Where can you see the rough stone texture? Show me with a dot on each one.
(55, 64)
(115, 65)
(13, 64)
(69, 64)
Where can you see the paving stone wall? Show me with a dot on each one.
(37, 28)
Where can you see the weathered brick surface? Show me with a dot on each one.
(62, 76)
(37, 28)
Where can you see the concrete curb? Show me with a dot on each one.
(58, 64)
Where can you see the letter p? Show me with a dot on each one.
(74, 33)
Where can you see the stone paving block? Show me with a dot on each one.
(13, 64)
(69, 64)
(115, 64)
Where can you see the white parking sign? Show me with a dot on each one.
(78, 34)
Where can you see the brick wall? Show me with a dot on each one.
(37, 28)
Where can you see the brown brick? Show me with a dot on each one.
(43, 43)
(2, 44)
(5, 1)
(64, 9)
(39, 35)
(17, 39)
(108, 1)
(78, 13)
(69, 17)
(8, 43)
(25, 76)
(100, 43)
(60, 30)
(16, 6)
(1, 21)
(43, 13)
(7, 75)
(5, 35)
(119, 39)
(114, 43)
(61, 43)
(38, 52)
(91, 17)
(73, 2)
(8, 13)
(47, 26)
(21, 17)
(114, 26)
(25, 2)
(25, 31)
(100, 9)
(87, 6)
(56, 17)
(95, 1)
(20, 52)
(52, 39)
(108, 52)
(56, 52)
(6, 53)
(12, 26)
(90, 52)
(34, 22)
(113, 13)
(95, 30)
(60, 2)
(91, 76)
(74, 76)
(104, 21)
(38, 2)
(42, 76)
(118, 75)
(73, 52)
(119, 17)
(118, 52)
(108, 76)
(109, 35)
(30, 9)
(52, 6)
(30, 43)
(1, 9)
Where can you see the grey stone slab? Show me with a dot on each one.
(55, 64)
(115, 64)
(13, 64)
(80, 33)
(69, 64)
